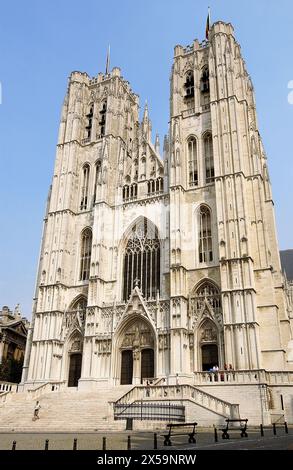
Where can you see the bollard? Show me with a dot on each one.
(104, 443)
(74, 444)
(216, 434)
(155, 441)
(13, 445)
(128, 443)
(261, 430)
(286, 427)
(274, 429)
(46, 444)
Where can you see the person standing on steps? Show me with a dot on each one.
(36, 411)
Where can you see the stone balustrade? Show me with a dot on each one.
(45, 388)
(180, 392)
(243, 377)
(8, 387)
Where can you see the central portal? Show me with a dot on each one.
(137, 358)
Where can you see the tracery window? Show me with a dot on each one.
(189, 85)
(206, 292)
(85, 254)
(205, 81)
(102, 122)
(142, 260)
(77, 308)
(97, 178)
(205, 235)
(192, 160)
(209, 158)
(210, 292)
(89, 117)
(85, 187)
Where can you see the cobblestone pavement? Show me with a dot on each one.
(145, 441)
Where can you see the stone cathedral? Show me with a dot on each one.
(164, 267)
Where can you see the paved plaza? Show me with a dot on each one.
(145, 441)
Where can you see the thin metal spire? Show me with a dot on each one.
(108, 61)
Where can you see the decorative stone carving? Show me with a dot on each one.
(137, 336)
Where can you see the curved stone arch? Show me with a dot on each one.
(132, 334)
(123, 244)
(73, 345)
(205, 280)
(209, 335)
(207, 310)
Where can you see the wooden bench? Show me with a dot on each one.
(242, 427)
(180, 429)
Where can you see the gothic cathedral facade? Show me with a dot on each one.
(157, 267)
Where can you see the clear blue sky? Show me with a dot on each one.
(43, 41)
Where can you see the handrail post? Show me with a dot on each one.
(155, 441)
(261, 430)
(286, 427)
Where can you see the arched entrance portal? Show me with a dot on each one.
(209, 345)
(75, 359)
(209, 354)
(74, 369)
(136, 350)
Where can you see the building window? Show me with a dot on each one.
(142, 260)
(85, 187)
(155, 186)
(189, 85)
(85, 254)
(97, 178)
(89, 125)
(205, 235)
(102, 122)
(205, 81)
(209, 292)
(209, 158)
(192, 161)
(129, 192)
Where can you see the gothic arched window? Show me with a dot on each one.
(102, 122)
(192, 161)
(85, 254)
(209, 158)
(205, 235)
(205, 81)
(189, 84)
(85, 187)
(142, 260)
(90, 121)
(97, 178)
(210, 292)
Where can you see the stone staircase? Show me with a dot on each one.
(66, 410)
(199, 404)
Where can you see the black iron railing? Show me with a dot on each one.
(141, 410)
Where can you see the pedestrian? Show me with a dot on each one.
(36, 411)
